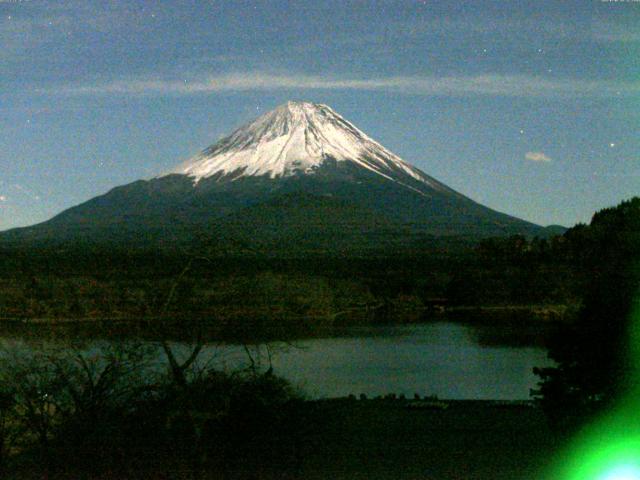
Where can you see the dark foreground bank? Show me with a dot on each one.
(439, 440)
(364, 439)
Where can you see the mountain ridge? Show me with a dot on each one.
(320, 155)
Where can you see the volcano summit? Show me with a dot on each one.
(297, 138)
(298, 178)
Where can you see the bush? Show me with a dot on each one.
(73, 413)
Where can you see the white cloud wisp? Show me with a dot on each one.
(486, 85)
(537, 157)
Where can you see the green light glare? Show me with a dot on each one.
(605, 456)
(633, 350)
(624, 472)
(609, 449)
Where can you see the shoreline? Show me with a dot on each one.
(547, 312)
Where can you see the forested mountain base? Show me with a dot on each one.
(82, 283)
(78, 281)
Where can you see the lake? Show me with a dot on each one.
(449, 360)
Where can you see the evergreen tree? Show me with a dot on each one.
(592, 356)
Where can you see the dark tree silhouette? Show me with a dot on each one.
(593, 364)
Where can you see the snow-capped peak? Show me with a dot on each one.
(296, 138)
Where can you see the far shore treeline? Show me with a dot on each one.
(100, 281)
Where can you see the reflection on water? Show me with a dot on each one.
(445, 359)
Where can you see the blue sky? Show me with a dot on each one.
(531, 108)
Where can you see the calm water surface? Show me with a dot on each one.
(449, 360)
(443, 359)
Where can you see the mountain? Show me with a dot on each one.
(298, 178)
(298, 138)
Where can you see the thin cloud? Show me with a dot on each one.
(487, 85)
(537, 157)
(523, 28)
(26, 191)
(615, 32)
(596, 30)
(622, 37)
(19, 35)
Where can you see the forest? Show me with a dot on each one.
(94, 282)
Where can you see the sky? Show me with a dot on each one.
(531, 108)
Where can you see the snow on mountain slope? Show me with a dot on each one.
(296, 138)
